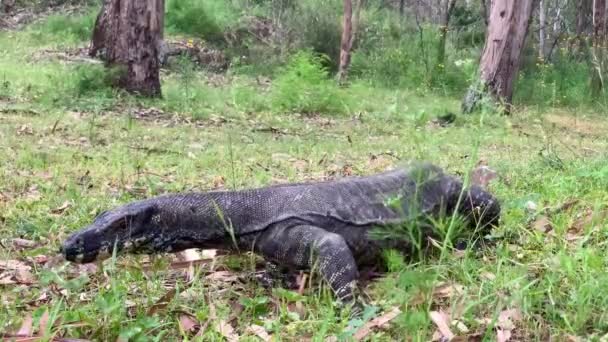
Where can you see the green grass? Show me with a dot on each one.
(66, 136)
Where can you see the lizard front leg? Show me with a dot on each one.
(305, 247)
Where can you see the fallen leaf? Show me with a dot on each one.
(187, 322)
(23, 276)
(25, 130)
(162, 303)
(488, 276)
(259, 332)
(447, 290)
(347, 170)
(227, 331)
(60, 210)
(43, 323)
(32, 193)
(7, 279)
(441, 320)
(482, 176)
(23, 243)
(26, 327)
(225, 276)
(503, 335)
(219, 181)
(41, 259)
(588, 218)
(563, 207)
(377, 322)
(462, 328)
(302, 283)
(300, 165)
(542, 224)
(13, 265)
(506, 323)
(507, 318)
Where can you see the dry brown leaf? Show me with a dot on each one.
(25, 277)
(300, 165)
(162, 303)
(13, 265)
(225, 276)
(25, 130)
(60, 210)
(259, 332)
(506, 323)
(23, 243)
(441, 291)
(187, 322)
(32, 193)
(447, 290)
(482, 176)
(503, 335)
(41, 259)
(227, 331)
(347, 170)
(302, 283)
(7, 279)
(377, 322)
(26, 327)
(219, 181)
(379, 162)
(588, 218)
(488, 276)
(507, 317)
(441, 320)
(44, 323)
(543, 224)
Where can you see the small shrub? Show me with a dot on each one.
(303, 86)
(207, 19)
(68, 28)
(88, 79)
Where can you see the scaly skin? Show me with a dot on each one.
(324, 225)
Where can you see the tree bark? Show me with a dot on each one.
(443, 33)
(599, 45)
(349, 28)
(128, 35)
(499, 65)
(542, 23)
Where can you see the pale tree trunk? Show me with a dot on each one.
(579, 47)
(542, 23)
(128, 35)
(443, 33)
(349, 29)
(599, 45)
(499, 65)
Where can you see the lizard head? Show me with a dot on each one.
(128, 228)
(481, 207)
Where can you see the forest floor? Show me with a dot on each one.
(70, 149)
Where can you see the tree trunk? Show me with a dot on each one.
(349, 28)
(484, 10)
(599, 44)
(443, 34)
(542, 23)
(499, 65)
(128, 35)
(402, 7)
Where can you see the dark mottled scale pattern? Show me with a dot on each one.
(324, 225)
